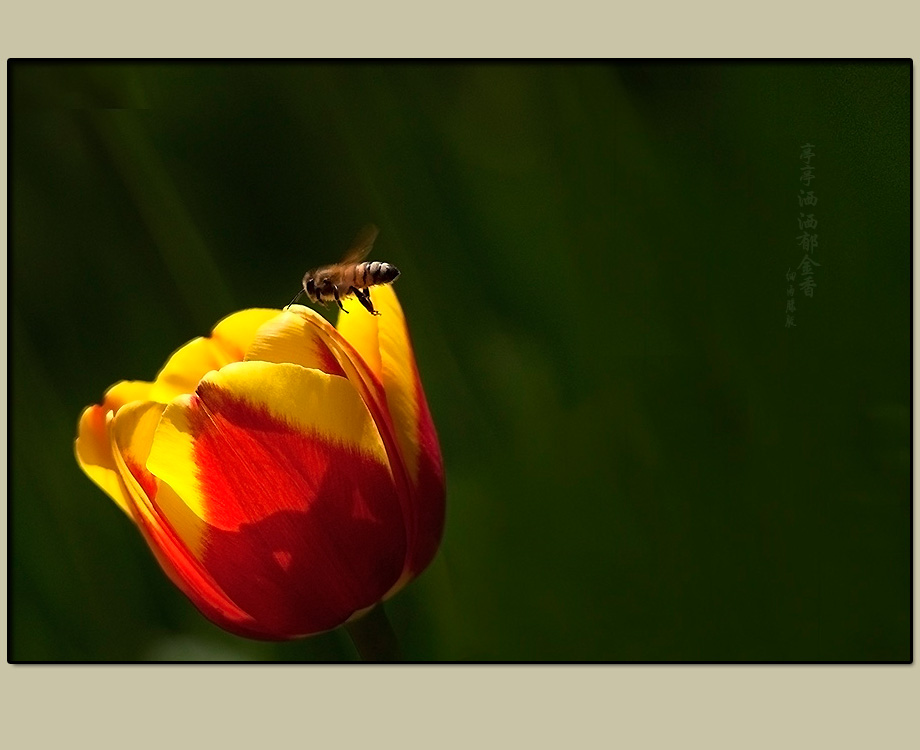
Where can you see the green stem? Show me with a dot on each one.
(374, 638)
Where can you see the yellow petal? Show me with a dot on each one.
(94, 455)
(133, 430)
(227, 343)
(298, 336)
(93, 446)
(125, 392)
(383, 343)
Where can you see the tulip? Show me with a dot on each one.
(285, 473)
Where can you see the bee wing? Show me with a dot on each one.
(362, 244)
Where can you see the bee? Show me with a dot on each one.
(353, 275)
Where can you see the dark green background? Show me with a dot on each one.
(643, 463)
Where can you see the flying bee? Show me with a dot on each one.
(353, 275)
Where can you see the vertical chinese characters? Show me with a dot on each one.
(807, 240)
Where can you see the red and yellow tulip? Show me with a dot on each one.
(285, 473)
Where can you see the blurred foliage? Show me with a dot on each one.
(643, 462)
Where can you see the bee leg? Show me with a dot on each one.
(337, 300)
(364, 297)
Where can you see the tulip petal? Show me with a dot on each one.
(287, 469)
(93, 446)
(383, 343)
(287, 339)
(228, 342)
(132, 431)
(301, 336)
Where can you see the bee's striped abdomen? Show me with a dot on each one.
(374, 272)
